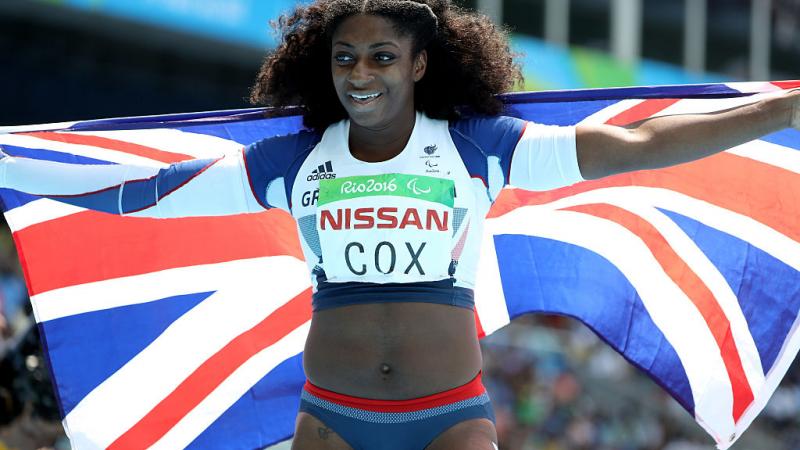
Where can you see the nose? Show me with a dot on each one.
(360, 76)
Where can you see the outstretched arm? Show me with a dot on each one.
(208, 187)
(605, 150)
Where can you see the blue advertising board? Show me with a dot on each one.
(237, 21)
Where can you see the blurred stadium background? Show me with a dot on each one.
(555, 385)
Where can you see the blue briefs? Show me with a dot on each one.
(367, 424)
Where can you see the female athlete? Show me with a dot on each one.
(403, 156)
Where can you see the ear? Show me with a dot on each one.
(420, 64)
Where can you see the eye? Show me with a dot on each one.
(343, 58)
(384, 57)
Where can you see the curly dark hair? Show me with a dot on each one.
(469, 60)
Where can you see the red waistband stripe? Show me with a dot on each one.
(471, 389)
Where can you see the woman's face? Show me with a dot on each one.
(374, 70)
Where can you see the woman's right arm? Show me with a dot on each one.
(210, 187)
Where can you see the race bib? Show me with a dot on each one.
(385, 228)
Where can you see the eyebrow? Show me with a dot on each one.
(375, 45)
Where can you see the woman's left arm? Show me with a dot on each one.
(605, 150)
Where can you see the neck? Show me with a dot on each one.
(381, 143)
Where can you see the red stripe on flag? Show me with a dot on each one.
(111, 144)
(92, 246)
(642, 110)
(761, 191)
(693, 286)
(213, 372)
(789, 84)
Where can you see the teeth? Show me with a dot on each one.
(365, 97)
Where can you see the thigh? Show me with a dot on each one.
(311, 434)
(473, 434)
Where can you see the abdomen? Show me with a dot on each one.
(428, 348)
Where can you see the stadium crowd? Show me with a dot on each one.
(556, 386)
(29, 417)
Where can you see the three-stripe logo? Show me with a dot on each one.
(322, 172)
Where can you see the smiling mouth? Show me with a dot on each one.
(364, 99)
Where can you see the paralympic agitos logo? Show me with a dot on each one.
(412, 186)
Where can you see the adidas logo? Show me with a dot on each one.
(323, 172)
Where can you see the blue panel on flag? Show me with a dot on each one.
(106, 200)
(14, 199)
(708, 91)
(141, 194)
(277, 394)
(49, 155)
(766, 287)
(788, 138)
(544, 275)
(557, 113)
(116, 335)
(174, 121)
(247, 132)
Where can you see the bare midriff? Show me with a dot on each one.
(392, 351)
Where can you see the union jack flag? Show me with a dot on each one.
(188, 333)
